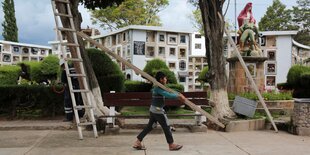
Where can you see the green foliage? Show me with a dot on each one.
(294, 75)
(108, 73)
(283, 86)
(155, 64)
(305, 79)
(9, 75)
(137, 86)
(176, 87)
(34, 69)
(50, 67)
(268, 96)
(301, 14)
(30, 101)
(303, 37)
(130, 12)
(277, 18)
(203, 73)
(92, 4)
(10, 30)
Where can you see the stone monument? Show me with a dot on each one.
(252, 55)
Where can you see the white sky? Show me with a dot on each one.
(36, 22)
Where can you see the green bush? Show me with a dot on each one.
(284, 86)
(9, 75)
(305, 79)
(137, 86)
(155, 64)
(34, 69)
(294, 75)
(50, 67)
(29, 101)
(176, 87)
(268, 96)
(108, 73)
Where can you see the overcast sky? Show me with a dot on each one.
(36, 22)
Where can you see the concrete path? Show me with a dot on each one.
(65, 142)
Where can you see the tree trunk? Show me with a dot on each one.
(213, 24)
(96, 96)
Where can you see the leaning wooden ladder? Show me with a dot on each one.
(81, 74)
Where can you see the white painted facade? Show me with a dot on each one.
(12, 53)
(140, 44)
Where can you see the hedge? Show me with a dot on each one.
(176, 87)
(50, 67)
(137, 86)
(34, 69)
(29, 101)
(9, 75)
(294, 75)
(155, 64)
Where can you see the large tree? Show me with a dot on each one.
(277, 18)
(301, 14)
(130, 12)
(10, 30)
(213, 26)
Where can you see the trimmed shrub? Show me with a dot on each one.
(268, 96)
(9, 75)
(108, 73)
(50, 67)
(283, 86)
(137, 86)
(30, 101)
(294, 75)
(155, 64)
(305, 79)
(34, 69)
(176, 87)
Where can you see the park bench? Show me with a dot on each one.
(144, 99)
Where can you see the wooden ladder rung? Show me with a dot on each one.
(62, 1)
(63, 15)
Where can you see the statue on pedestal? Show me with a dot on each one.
(248, 32)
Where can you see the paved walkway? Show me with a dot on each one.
(65, 142)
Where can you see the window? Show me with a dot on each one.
(270, 81)
(161, 38)
(25, 50)
(172, 39)
(128, 77)
(128, 51)
(182, 39)
(113, 40)
(119, 38)
(34, 51)
(16, 59)
(119, 51)
(161, 51)
(172, 65)
(25, 58)
(270, 68)
(16, 49)
(124, 36)
(43, 52)
(182, 79)
(182, 65)
(182, 53)
(6, 57)
(197, 36)
(190, 59)
(271, 55)
(150, 51)
(150, 36)
(197, 46)
(172, 51)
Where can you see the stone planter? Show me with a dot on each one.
(301, 117)
(245, 125)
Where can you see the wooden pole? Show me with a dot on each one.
(248, 74)
(147, 76)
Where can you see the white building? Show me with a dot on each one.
(13, 52)
(140, 44)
